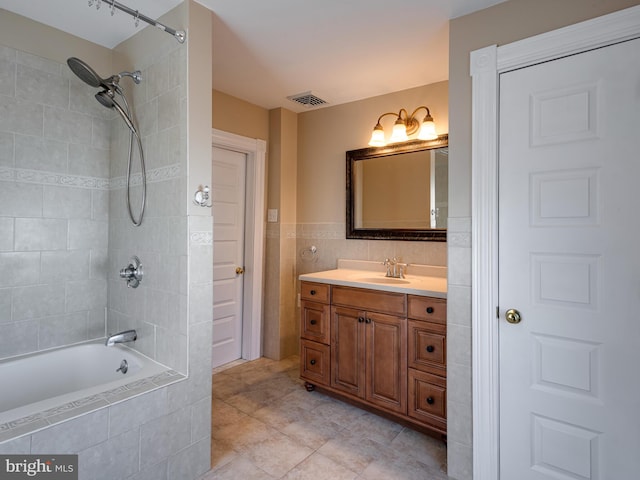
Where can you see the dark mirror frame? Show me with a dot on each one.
(433, 235)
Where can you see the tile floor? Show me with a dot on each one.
(265, 425)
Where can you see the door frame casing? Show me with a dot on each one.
(486, 66)
(255, 151)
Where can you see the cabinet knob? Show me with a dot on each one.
(313, 361)
(313, 322)
(312, 292)
(429, 309)
(430, 400)
(430, 348)
(368, 320)
(360, 319)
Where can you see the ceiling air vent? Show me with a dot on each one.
(307, 99)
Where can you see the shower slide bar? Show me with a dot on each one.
(179, 35)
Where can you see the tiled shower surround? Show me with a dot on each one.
(54, 206)
(65, 234)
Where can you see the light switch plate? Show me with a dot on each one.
(272, 215)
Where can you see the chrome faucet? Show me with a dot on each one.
(395, 269)
(126, 336)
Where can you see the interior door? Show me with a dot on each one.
(569, 267)
(228, 198)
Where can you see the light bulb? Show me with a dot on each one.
(399, 133)
(427, 129)
(377, 137)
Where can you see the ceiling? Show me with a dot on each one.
(266, 50)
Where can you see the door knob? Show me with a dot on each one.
(513, 316)
(239, 270)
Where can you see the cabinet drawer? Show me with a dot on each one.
(427, 347)
(315, 321)
(428, 399)
(427, 308)
(316, 292)
(315, 362)
(370, 300)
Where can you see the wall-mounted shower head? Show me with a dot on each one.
(106, 98)
(89, 76)
(85, 72)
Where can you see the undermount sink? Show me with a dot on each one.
(384, 280)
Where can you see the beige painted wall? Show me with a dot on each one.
(326, 134)
(230, 114)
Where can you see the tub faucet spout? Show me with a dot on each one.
(126, 336)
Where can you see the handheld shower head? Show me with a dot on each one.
(105, 97)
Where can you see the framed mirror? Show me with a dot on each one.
(399, 192)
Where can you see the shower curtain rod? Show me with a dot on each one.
(179, 35)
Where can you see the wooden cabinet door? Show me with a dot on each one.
(386, 361)
(347, 350)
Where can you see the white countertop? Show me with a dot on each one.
(426, 280)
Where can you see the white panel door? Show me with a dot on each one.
(228, 198)
(569, 262)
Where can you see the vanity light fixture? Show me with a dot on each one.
(404, 126)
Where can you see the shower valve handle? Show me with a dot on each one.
(133, 272)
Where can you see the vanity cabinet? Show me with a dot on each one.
(368, 356)
(315, 335)
(386, 350)
(427, 360)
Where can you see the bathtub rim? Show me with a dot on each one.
(18, 425)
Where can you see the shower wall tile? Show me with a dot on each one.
(19, 268)
(157, 79)
(87, 160)
(82, 100)
(99, 261)
(72, 436)
(6, 234)
(86, 294)
(164, 437)
(66, 202)
(168, 106)
(191, 462)
(37, 153)
(20, 200)
(7, 77)
(64, 265)
(157, 308)
(37, 301)
(34, 85)
(120, 453)
(40, 234)
(171, 349)
(96, 325)
(20, 117)
(138, 411)
(88, 234)
(101, 133)
(39, 63)
(18, 338)
(148, 117)
(62, 330)
(7, 53)
(100, 205)
(6, 150)
(5, 305)
(67, 126)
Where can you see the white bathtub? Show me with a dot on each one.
(47, 387)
